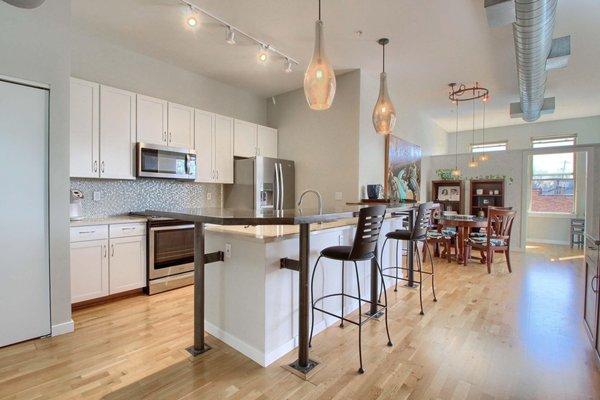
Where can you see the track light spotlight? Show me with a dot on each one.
(263, 55)
(288, 65)
(230, 35)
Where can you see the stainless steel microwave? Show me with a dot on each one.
(156, 161)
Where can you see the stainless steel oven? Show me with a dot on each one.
(170, 254)
(156, 161)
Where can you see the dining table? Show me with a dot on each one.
(464, 225)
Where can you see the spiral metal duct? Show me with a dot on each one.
(533, 41)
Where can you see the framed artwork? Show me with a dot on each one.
(402, 169)
(448, 193)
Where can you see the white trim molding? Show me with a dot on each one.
(61, 329)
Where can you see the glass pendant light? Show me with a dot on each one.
(456, 171)
(384, 113)
(473, 163)
(319, 78)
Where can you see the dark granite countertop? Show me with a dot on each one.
(225, 216)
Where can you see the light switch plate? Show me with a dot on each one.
(97, 195)
(227, 250)
(338, 196)
(208, 195)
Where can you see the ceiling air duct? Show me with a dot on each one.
(536, 51)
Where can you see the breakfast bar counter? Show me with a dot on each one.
(280, 224)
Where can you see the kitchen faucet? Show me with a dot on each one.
(319, 198)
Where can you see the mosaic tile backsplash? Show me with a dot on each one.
(121, 196)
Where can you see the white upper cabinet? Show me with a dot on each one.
(151, 120)
(244, 144)
(203, 133)
(85, 129)
(214, 147)
(223, 149)
(252, 140)
(267, 141)
(117, 133)
(181, 126)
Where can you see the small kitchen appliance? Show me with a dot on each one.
(75, 207)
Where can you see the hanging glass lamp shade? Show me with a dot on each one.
(384, 113)
(319, 78)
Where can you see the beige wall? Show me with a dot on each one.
(519, 136)
(100, 61)
(323, 144)
(35, 46)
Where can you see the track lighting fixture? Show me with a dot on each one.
(230, 35)
(192, 18)
(192, 21)
(263, 54)
(288, 65)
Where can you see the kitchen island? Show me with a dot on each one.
(251, 297)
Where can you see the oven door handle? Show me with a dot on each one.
(171, 227)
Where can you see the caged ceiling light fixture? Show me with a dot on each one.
(265, 49)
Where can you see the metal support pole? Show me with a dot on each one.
(304, 364)
(199, 345)
(411, 251)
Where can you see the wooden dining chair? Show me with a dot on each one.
(497, 239)
(438, 237)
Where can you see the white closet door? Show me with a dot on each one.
(24, 264)
(84, 128)
(151, 120)
(203, 132)
(181, 126)
(224, 148)
(117, 133)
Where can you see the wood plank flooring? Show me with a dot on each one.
(499, 336)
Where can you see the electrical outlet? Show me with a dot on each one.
(97, 196)
(340, 240)
(208, 195)
(338, 196)
(227, 250)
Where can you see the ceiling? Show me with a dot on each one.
(432, 43)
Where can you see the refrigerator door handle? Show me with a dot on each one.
(281, 193)
(276, 205)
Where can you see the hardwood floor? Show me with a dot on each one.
(505, 336)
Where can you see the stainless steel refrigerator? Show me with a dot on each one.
(261, 183)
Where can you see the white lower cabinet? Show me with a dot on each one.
(89, 270)
(127, 264)
(103, 264)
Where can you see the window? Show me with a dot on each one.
(553, 142)
(488, 147)
(553, 183)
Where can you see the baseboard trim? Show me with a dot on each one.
(249, 351)
(61, 329)
(548, 241)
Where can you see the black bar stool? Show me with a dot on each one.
(414, 235)
(370, 220)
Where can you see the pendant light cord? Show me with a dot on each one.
(383, 58)
(473, 133)
(319, 10)
(483, 127)
(456, 141)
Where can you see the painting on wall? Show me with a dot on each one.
(402, 169)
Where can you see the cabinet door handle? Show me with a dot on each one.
(105, 250)
(217, 171)
(164, 136)
(102, 167)
(95, 166)
(170, 137)
(594, 279)
(112, 250)
(86, 232)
